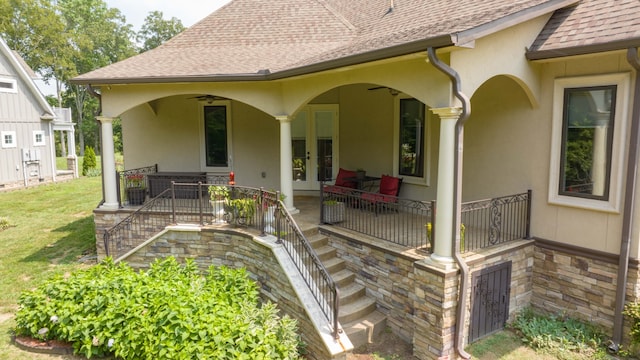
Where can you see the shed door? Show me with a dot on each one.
(490, 300)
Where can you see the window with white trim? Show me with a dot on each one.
(411, 155)
(8, 139)
(589, 126)
(8, 85)
(216, 135)
(38, 138)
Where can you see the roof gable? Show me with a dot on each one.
(23, 72)
(591, 26)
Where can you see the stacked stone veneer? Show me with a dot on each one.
(420, 297)
(235, 248)
(579, 283)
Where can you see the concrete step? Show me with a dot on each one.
(351, 293)
(356, 309)
(343, 278)
(318, 240)
(325, 252)
(333, 265)
(367, 329)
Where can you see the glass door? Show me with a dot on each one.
(313, 139)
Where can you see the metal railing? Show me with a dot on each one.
(125, 179)
(244, 207)
(495, 221)
(411, 223)
(394, 219)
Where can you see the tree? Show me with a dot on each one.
(35, 30)
(100, 36)
(157, 30)
(89, 161)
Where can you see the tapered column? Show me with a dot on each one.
(286, 170)
(444, 215)
(108, 164)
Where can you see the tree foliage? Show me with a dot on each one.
(156, 30)
(64, 38)
(89, 162)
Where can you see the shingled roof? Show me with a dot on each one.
(592, 26)
(265, 39)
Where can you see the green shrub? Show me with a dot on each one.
(89, 161)
(562, 337)
(167, 312)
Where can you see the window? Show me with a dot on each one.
(411, 138)
(38, 138)
(8, 139)
(587, 152)
(8, 85)
(216, 136)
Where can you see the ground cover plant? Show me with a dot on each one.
(560, 336)
(168, 312)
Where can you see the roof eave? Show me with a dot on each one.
(582, 50)
(380, 54)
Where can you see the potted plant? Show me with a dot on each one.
(218, 196)
(242, 209)
(333, 211)
(136, 189)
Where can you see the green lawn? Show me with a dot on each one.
(51, 230)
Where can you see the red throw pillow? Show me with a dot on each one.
(342, 174)
(389, 185)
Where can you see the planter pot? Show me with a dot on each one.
(333, 213)
(218, 210)
(269, 220)
(136, 195)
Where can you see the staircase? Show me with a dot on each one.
(358, 315)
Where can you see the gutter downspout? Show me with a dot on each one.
(463, 294)
(630, 192)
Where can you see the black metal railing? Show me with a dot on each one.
(244, 207)
(394, 219)
(495, 221)
(133, 178)
(139, 226)
(411, 223)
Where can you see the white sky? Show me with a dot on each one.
(188, 11)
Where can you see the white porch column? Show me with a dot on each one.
(108, 164)
(286, 154)
(71, 152)
(446, 182)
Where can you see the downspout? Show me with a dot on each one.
(463, 294)
(630, 195)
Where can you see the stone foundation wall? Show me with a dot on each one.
(419, 296)
(578, 285)
(235, 249)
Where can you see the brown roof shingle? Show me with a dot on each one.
(247, 37)
(591, 26)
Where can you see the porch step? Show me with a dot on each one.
(356, 309)
(366, 329)
(358, 315)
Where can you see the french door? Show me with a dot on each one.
(315, 146)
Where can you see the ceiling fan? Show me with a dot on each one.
(392, 91)
(208, 98)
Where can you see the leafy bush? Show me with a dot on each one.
(563, 337)
(167, 312)
(632, 310)
(89, 161)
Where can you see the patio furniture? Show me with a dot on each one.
(342, 185)
(362, 181)
(160, 181)
(386, 195)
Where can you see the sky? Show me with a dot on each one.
(187, 11)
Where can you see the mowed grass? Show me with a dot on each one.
(51, 230)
